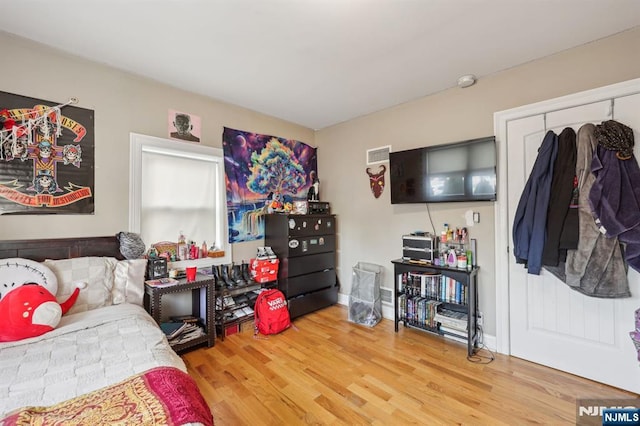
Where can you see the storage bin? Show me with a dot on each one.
(365, 303)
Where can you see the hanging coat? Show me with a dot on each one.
(564, 172)
(615, 198)
(530, 219)
(596, 267)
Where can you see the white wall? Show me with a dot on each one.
(370, 229)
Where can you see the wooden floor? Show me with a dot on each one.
(330, 372)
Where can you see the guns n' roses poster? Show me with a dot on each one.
(46, 157)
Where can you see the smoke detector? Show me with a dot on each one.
(466, 81)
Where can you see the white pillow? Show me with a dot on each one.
(96, 272)
(16, 271)
(128, 283)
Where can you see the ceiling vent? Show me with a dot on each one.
(378, 155)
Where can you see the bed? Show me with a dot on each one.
(107, 361)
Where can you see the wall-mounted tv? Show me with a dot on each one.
(461, 171)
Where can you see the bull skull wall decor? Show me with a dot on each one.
(376, 181)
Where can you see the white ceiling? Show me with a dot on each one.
(315, 62)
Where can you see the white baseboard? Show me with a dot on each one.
(343, 299)
(387, 313)
(490, 342)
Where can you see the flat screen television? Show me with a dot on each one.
(461, 171)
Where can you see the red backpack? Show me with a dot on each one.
(271, 314)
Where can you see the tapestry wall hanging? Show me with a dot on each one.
(46, 157)
(263, 174)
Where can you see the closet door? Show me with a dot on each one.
(551, 324)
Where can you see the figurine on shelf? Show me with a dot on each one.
(183, 249)
(313, 194)
(152, 253)
(275, 204)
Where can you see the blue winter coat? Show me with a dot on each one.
(530, 221)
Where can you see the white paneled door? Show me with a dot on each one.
(549, 323)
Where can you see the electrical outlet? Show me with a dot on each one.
(479, 321)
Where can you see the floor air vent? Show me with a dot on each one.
(386, 295)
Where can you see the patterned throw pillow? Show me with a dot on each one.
(128, 284)
(96, 272)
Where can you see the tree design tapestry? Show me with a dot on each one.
(264, 174)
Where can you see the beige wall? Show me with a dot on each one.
(370, 229)
(122, 103)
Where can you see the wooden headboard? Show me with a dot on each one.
(61, 248)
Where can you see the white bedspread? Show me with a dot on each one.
(87, 351)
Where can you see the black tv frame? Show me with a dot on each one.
(412, 181)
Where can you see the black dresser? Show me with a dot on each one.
(306, 247)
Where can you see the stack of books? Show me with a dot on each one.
(452, 323)
(182, 329)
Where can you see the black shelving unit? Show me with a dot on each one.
(468, 279)
(222, 309)
(202, 284)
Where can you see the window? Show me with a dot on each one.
(178, 187)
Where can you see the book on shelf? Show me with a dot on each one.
(451, 323)
(453, 314)
(419, 311)
(173, 329)
(453, 319)
(162, 282)
(184, 318)
(434, 286)
(453, 330)
(457, 338)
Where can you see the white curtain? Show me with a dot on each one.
(178, 195)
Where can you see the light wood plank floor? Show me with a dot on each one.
(330, 372)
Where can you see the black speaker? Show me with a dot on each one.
(318, 207)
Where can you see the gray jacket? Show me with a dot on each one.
(597, 267)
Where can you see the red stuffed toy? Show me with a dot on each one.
(31, 310)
